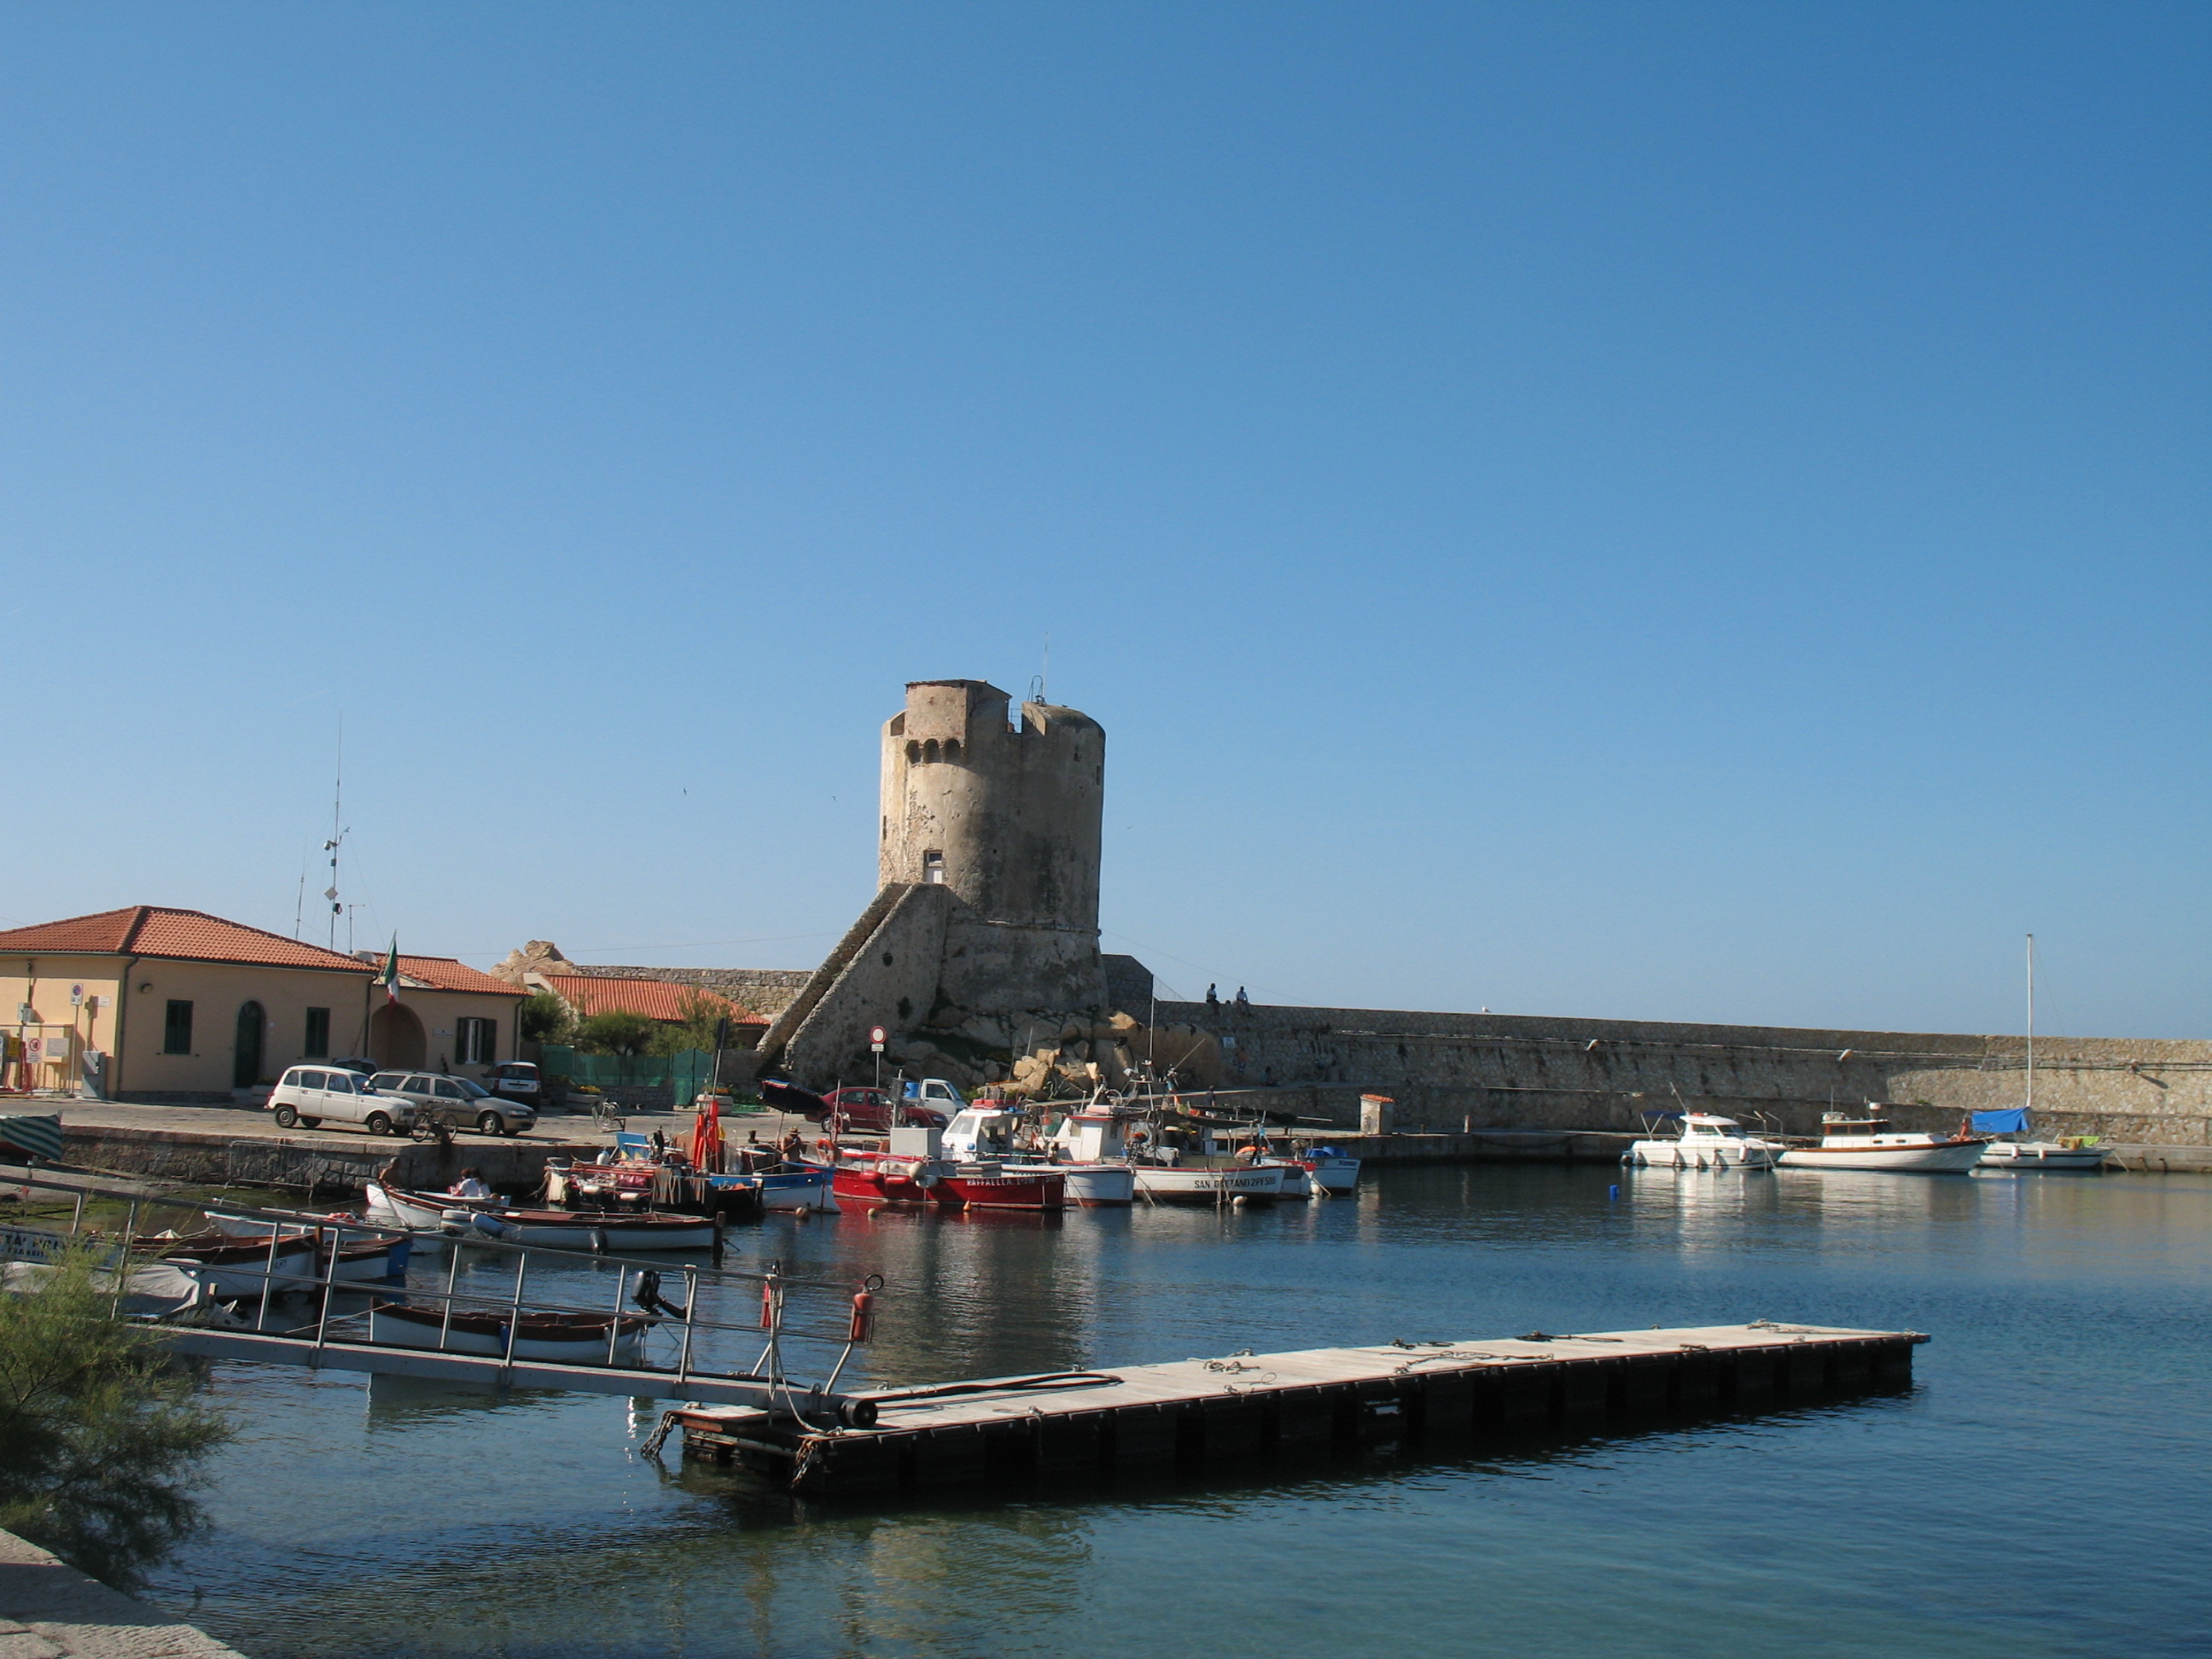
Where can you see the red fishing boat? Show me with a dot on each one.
(874, 1178)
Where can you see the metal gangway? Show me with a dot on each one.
(792, 1319)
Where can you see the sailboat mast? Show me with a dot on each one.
(2031, 1022)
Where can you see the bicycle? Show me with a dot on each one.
(606, 1117)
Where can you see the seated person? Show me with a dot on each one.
(471, 1185)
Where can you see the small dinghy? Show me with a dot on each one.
(569, 1339)
(233, 1268)
(586, 1229)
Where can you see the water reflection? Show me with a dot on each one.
(433, 1521)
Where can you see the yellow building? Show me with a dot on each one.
(148, 1002)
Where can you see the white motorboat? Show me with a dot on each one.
(1871, 1142)
(1705, 1142)
(235, 1269)
(572, 1338)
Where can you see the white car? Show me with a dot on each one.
(310, 1094)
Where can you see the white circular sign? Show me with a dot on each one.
(877, 1034)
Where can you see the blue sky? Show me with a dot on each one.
(1659, 511)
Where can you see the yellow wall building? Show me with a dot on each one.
(147, 1002)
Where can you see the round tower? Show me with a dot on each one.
(1008, 817)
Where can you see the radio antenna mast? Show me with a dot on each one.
(338, 835)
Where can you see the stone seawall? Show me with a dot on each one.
(49, 1610)
(307, 1163)
(1464, 1072)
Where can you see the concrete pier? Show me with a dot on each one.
(1285, 1407)
(49, 1610)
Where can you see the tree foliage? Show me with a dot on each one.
(616, 1031)
(544, 1017)
(101, 1440)
(700, 1014)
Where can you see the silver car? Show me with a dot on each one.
(457, 1102)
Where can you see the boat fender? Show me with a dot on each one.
(924, 1176)
(864, 1309)
(489, 1225)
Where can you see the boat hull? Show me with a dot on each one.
(904, 1185)
(798, 1189)
(245, 1272)
(580, 1230)
(1166, 1184)
(418, 1209)
(1937, 1157)
(1089, 1185)
(1337, 1177)
(559, 1338)
(2034, 1155)
(1691, 1155)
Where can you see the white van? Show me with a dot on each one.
(308, 1095)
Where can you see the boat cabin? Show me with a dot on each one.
(980, 1132)
(1703, 1126)
(1845, 1130)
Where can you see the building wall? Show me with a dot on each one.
(218, 991)
(1450, 1072)
(890, 980)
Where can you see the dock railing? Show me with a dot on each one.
(792, 1311)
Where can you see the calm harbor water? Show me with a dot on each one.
(2043, 1489)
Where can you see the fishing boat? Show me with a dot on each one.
(798, 1187)
(1873, 1143)
(2075, 1152)
(985, 1133)
(1172, 1183)
(871, 1178)
(572, 1338)
(1703, 1142)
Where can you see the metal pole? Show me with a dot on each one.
(330, 1280)
(76, 1214)
(268, 1277)
(514, 1315)
(452, 1272)
(123, 1259)
(614, 1326)
(690, 1307)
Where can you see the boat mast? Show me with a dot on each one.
(2031, 1022)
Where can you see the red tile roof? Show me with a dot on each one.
(656, 999)
(451, 973)
(153, 930)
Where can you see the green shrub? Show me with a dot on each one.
(101, 1440)
(541, 1016)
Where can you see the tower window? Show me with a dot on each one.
(913, 751)
(952, 748)
(929, 750)
(932, 869)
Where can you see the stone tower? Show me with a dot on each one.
(1006, 815)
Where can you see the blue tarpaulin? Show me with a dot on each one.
(2010, 1122)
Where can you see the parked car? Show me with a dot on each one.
(312, 1095)
(515, 1080)
(870, 1109)
(355, 1064)
(459, 1102)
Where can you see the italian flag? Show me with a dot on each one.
(389, 979)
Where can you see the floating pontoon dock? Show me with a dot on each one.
(1203, 1412)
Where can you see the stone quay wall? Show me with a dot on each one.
(1461, 1072)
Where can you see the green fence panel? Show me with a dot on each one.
(685, 1073)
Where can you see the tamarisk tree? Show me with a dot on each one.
(101, 1439)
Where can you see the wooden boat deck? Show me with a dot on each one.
(1196, 1412)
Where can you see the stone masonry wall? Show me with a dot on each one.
(1452, 1071)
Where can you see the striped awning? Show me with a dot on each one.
(39, 1136)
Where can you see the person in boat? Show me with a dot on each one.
(793, 1145)
(471, 1185)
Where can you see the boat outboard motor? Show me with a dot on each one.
(648, 1296)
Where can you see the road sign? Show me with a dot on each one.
(877, 1037)
(76, 996)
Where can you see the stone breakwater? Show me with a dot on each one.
(1460, 1072)
(49, 1610)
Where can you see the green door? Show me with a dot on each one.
(245, 1062)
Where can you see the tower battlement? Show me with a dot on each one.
(1008, 815)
